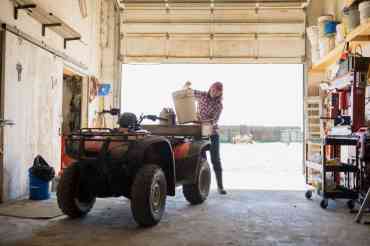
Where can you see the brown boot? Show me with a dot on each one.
(220, 186)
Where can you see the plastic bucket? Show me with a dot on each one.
(315, 55)
(313, 35)
(185, 106)
(330, 28)
(39, 189)
(352, 17)
(322, 20)
(207, 129)
(326, 45)
(341, 34)
(364, 8)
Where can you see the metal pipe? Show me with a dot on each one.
(42, 45)
(2, 102)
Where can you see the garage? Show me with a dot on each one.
(102, 141)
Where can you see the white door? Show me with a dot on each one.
(33, 96)
(216, 31)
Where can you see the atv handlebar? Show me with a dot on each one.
(150, 117)
(112, 111)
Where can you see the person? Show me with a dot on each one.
(209, 110)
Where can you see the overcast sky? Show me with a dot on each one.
(262, 94)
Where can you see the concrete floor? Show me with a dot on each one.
(265, 206)
(244, 217)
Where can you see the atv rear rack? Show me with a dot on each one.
(102, 138)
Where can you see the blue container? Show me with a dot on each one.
(39, 189)
(330, 28)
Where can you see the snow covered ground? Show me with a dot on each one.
(262, 166)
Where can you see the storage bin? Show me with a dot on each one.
(313, 35)
(39, 189)
(315, 55)
(364, 8)
(207, 129)
(322, 20)
(326, 45)
(185, 106)
(352, 18)
(330, 28)
(341, 34)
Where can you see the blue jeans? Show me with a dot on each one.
(215, 153)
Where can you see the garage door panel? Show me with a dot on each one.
(145, 46)
(189, 48)
(144, 15)
(258, 28)
(193, 28)
(213, 31)
(262, 15)
(219, 15)
(235, 48)
(281, 48)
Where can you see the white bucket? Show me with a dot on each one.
(326, 45)
(341, 34)
(315, 55)
(364, 8)
(322, 20)
(185, 106)
(207, 129)
(352, 18)
(313, 35)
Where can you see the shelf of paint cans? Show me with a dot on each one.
(361, 34)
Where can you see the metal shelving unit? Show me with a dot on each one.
(345, 187)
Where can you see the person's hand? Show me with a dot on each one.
(187, 84)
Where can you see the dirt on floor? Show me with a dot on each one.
(259, 209)
(243, 217)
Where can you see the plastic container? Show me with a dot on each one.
(207, 129)
(315, 55)
(341, 34)
(39, 189)
(326, 45)
(169, 115)
(330, 28)
(352, 18)
(322, 20)
(364, 8)
(185, 106)
(313, 35)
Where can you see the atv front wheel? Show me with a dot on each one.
(148, 195)
(197, 193)
(67, 194)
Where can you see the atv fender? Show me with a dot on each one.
(154, 150)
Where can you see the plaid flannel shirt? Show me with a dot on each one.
(208, 108)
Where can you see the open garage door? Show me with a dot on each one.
(212, 31)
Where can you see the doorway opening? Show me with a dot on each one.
(72, 102)
(261, 123)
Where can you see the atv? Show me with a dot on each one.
(144, 163)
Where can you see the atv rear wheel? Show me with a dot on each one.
(148, 195)
(197, 193)
(67, 194)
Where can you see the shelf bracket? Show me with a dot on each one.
(70, 39)
(44, 26)
(26, 6)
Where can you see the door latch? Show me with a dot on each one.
(19, 71)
